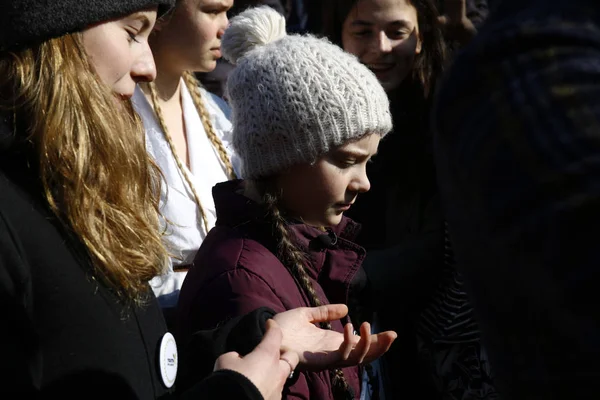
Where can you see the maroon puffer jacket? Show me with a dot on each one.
(236, 271)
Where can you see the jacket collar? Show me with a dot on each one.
(334, 259)
(233, 209)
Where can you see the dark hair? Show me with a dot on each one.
(294, 259)
(429, 64)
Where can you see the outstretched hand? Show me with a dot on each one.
(267, 366)
(319, 349)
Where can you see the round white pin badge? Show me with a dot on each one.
(168, 359)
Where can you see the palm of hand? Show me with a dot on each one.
(316, 347)
(319, 349)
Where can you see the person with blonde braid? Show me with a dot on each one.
(187, 131)
(307, 117)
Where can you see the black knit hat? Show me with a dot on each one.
(26, 22)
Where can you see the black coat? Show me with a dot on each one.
(63, 332)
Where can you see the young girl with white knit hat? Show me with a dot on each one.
(307, 117)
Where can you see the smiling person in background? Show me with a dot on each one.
(402, 43)
(386, 38)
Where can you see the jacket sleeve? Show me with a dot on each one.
(518, 152)
(220, 304)
(231, 294)
(240, 334)
(20, 372)
(224, 384)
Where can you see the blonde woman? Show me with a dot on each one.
(187, 131)
(78, 211)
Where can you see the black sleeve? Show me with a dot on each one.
(224, 384)
(20, 372)
(240, 334)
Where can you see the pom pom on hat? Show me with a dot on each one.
(254, 27)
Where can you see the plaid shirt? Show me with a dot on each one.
(517, 141)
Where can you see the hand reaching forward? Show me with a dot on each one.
(319, 349)
(267, 366)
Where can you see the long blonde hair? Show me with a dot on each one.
(97, 176)
(193, 87)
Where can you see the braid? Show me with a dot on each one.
(193, 87)
(340, 387)
(294, 260)
(289, 254)
(163, 125)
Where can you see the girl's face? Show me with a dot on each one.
(118, 51)
(384, 35)
(190, 38)
(319, 193)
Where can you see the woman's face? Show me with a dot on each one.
(384, 35)
(319, 193)
(190, 38)
(118, 51)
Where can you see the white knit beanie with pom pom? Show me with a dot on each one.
(295, 98)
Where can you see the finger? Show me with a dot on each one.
(442, 20)
(329, 312)
(380, 343)
(348, 344)
(287, 365)
(291, 359)
(226, 361)
(386, 339)
(361, 348)
(271, 341)
(285, 370)
(365, 335)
